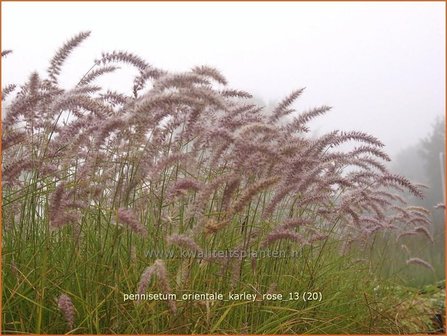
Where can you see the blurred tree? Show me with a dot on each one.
(430, 148)
(408, 162)
(420, 162)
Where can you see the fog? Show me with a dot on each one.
(380, 65)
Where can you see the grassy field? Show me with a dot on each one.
(238, 219)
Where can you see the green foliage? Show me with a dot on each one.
(97, 274)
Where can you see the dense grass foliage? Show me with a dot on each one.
(172, 189)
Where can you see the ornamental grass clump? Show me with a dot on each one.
(181, 161)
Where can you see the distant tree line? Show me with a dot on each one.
(421, 162)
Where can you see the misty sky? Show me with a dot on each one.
(380, 65)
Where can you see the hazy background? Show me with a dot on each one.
(380, 65)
